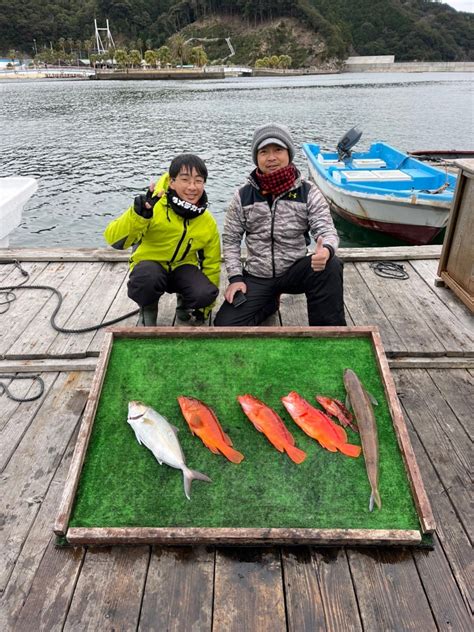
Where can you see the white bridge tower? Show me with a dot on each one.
(109, 40)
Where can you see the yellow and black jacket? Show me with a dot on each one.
(168, 238)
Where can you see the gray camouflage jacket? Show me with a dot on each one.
(275, 236)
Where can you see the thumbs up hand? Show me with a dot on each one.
(320, 256)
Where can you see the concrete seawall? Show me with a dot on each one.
(429, 66)
(156, 75)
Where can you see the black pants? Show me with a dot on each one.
(324, 295)
(149, 280)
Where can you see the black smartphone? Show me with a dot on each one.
(239, 298)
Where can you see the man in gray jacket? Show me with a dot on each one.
(275, 210)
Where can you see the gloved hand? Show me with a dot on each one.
(143, 204)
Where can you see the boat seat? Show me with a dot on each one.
(375, 175)
(330, 162)
(368, 163)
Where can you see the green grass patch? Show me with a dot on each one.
(123, 485)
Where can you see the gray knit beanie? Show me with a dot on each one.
(272, 133)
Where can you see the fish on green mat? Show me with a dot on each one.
(202, 421)
(337, 409)
(156, 433)
(267, 421)
(318, 426)
(360, 401)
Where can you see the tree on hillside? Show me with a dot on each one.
(151, 58)
(121, 57)
(164, 55)
(135, 57)
(198, 56)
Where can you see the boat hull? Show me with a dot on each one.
(417, 223)
(409, 233)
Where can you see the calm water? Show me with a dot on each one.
(95, 145)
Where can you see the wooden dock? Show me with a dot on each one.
(428, 336)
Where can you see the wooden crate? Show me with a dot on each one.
(244, 536)
(456, 265)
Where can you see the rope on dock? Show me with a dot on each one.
(9, 294)
(390, 270)
(4, 388)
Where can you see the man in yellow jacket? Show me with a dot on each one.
(175, 243)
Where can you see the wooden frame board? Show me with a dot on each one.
(457, 255)
(245, 536)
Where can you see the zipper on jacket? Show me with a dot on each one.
(272, 210)
(187, 249)
(175, 253)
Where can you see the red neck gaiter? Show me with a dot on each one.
(277, 182)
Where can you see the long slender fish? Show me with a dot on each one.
(156, 433)
(364, 413)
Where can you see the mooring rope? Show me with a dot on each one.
(390, 270)
(9, 297)
(4, 388)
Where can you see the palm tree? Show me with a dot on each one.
(164, 55)
(121, 57)
(179, 47)
(151, 57)
(198, 56)
(135, 57)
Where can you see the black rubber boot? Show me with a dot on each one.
(183, 314)
(148, 315)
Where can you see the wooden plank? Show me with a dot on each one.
(410, 324)
(72, 481)
(304, 604)
(293, 310)
(399, 253)
(318, 589)
(248, 592)
(365, 310)
(338, 593)
(445, 599)
(91, 309)
(428, 271)
(47, 602)
(13, 430)
(450, 531)
(389, 591)
(179, 590)
(109, 591)
(25, 307)
(47, 365)
(120, 306)
(39, 336)
(441, 362)
(28, 474)
(235, 536)
(442, 435)
(457, 338)
(457, 388)
(34, 547)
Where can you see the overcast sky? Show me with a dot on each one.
(462, 5)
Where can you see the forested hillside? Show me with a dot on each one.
(409, 29)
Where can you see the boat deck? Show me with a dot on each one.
(429, 339)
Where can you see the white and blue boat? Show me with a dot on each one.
(383, 189)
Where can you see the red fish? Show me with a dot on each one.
(203, 422)
(267, 421)
(318, 425)
(337, 409)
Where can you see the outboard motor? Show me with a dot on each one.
(346, 143)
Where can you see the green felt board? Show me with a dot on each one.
(122, 484)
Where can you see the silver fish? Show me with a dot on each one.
(156, 433)
(360, 401)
